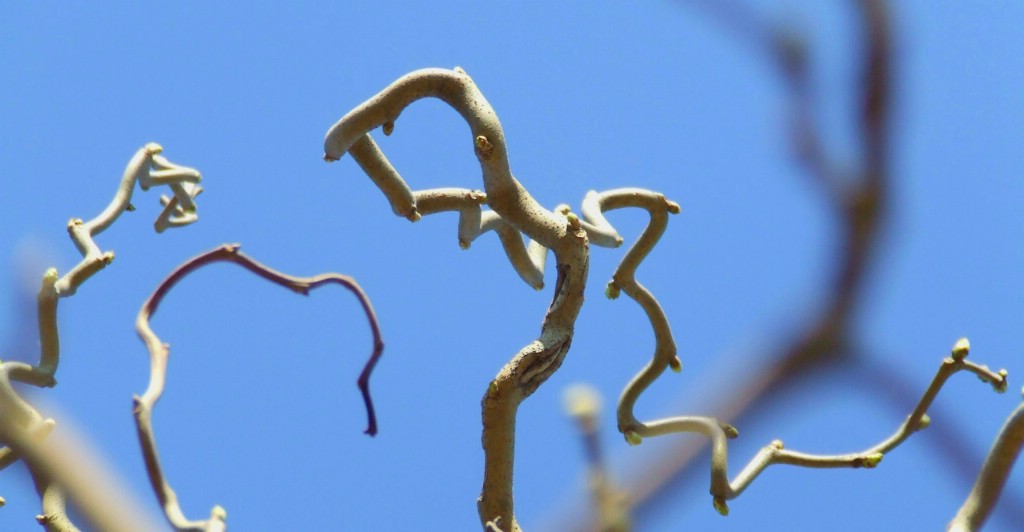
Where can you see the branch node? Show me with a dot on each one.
(1000, 385)
(484, 148)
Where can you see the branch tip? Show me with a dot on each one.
(961, 349)
(720, 506)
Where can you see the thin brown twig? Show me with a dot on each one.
(158, 351)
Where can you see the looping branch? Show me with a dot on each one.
(149, 168)
(514, 212)
(159, 351)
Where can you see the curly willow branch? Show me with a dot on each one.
(514, 211)
(723, 490)
(149, 168)
(158, 353)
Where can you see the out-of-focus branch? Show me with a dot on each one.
(159, 351)
(992, 478)
(64, 469)
(584, 404)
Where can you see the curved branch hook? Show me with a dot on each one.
(159, 351)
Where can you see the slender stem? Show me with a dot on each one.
(992, 477)
(158, 352)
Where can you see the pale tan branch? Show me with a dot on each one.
(624, 280)
(149, 168)
(723, 490)
(54, 517)
(993, 475)
(102, 509)
(559, 231)
(158, 352)
(42, 375)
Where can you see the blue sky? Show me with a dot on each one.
(262, 414)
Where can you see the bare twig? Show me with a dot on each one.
(149, 168)
(102, 507)
(992, 477)
(723, 490)
(159, 351)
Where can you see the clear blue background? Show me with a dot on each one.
(262, 415)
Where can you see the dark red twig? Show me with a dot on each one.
(158, 352)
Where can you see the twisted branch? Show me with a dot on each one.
(514, 211)
(159, 352)
(859, 198)
(149, 168)
(722, 489)
(23, 423)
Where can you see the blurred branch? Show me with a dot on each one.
(159, 351)
(584, 404)
(149, 168)
(992, 478)
(63, 468)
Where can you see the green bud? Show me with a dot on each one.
(961, 348)
(871, 460)
(633, 438)
(720, 506)
(612, 291)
